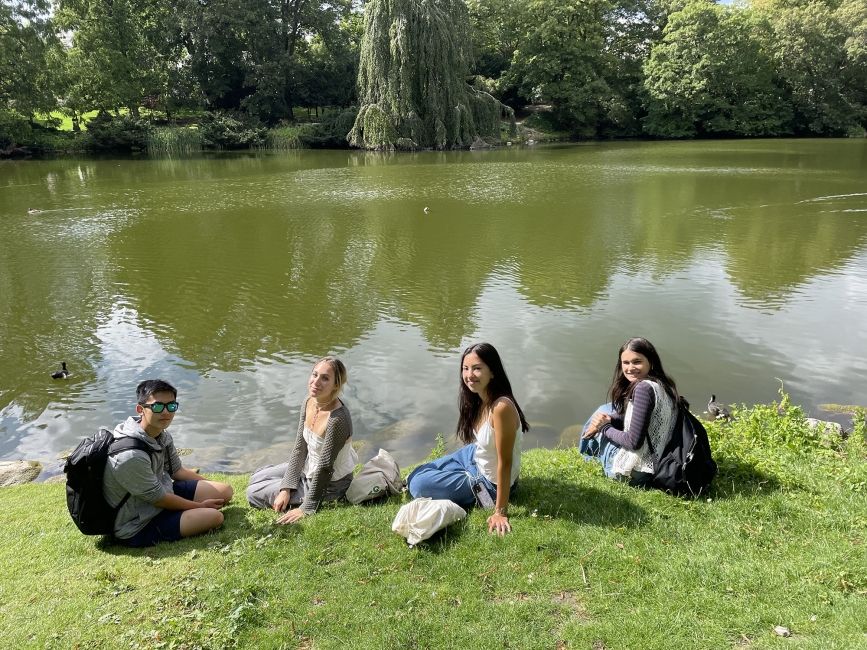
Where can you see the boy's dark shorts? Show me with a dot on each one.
(166, 526)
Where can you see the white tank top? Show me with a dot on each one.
(486, 450)
(344, 463)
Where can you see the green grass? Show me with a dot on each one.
(782, 540)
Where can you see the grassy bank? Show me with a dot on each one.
(590, 564)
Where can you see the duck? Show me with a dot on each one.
(717, 410)
(426, 209)
(63, 373)
(33, 211)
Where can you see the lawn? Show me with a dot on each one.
(780, 541)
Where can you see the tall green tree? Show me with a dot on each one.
(809, 52)
(28, 46)
(412, 79)
(710, 75)
(126, 51)
(562, 59)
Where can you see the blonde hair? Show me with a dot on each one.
(339, 370)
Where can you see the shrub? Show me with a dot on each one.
(117, 133)
(222, 130)
(14, 129)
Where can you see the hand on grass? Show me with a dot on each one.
(291, 517)
(216, 504)
(499, 524)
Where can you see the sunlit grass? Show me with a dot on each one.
(591, 564)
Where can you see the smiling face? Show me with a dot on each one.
(634, 365)
(322, 385)
(476, 374)
(155, 423)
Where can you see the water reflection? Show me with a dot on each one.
(230, 274)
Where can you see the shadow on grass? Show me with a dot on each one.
(240, 523)
(566, 500)
(738, 478)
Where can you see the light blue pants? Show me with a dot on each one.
(451, 477)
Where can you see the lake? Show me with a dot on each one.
(230, 274)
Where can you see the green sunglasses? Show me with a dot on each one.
(157, 407)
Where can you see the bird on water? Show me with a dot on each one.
(63, 373)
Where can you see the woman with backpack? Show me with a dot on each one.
(491, 426)
(640, 417)
(322, 461)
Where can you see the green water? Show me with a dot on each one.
(228, 275)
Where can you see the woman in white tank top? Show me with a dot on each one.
(322, 461)
(492, 425)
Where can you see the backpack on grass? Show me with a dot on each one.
(683, 464)
(84, 470)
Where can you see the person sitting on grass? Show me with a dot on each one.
(642, 412)
(491, 426)
(166, 500)
(322, 461)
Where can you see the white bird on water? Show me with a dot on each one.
(426, 209)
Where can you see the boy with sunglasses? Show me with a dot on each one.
(166, 500)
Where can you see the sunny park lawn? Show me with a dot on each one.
(780, 541)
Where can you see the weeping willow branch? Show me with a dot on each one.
(412, 79)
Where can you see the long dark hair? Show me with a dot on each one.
(621, 388)
(470, 404)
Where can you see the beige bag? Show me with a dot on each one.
(380, 477)
(422, 517)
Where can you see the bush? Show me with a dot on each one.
(223, 130)
(14, 129)
(331, 132)
(117, 133)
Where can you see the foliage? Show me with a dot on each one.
(28, 45)
(589, 562)
(711, 76)
(224, 130)
(412, 79)
(14, 129)
(173, 140)
(107, 132)
(286, 137)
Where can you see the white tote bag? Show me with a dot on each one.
(422, 517)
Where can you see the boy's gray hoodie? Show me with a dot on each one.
(147, 477)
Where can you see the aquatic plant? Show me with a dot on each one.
(173, 140)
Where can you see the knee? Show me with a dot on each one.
(226, 491)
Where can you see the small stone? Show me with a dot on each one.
(779, 630)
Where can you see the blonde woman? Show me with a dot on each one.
(322, 460)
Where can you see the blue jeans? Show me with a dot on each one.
(451, 477)
(601, 449)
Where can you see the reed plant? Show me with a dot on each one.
(173, 140)
(290, 136)
(775, 556)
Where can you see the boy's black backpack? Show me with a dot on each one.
(84, 469)
(683, 463)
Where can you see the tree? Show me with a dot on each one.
(27, 45)
(809, 50)
(126, 51)
(711, 76)
(412, 79)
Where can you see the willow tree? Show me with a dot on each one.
(412, 79)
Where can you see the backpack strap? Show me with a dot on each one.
(125, 444)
